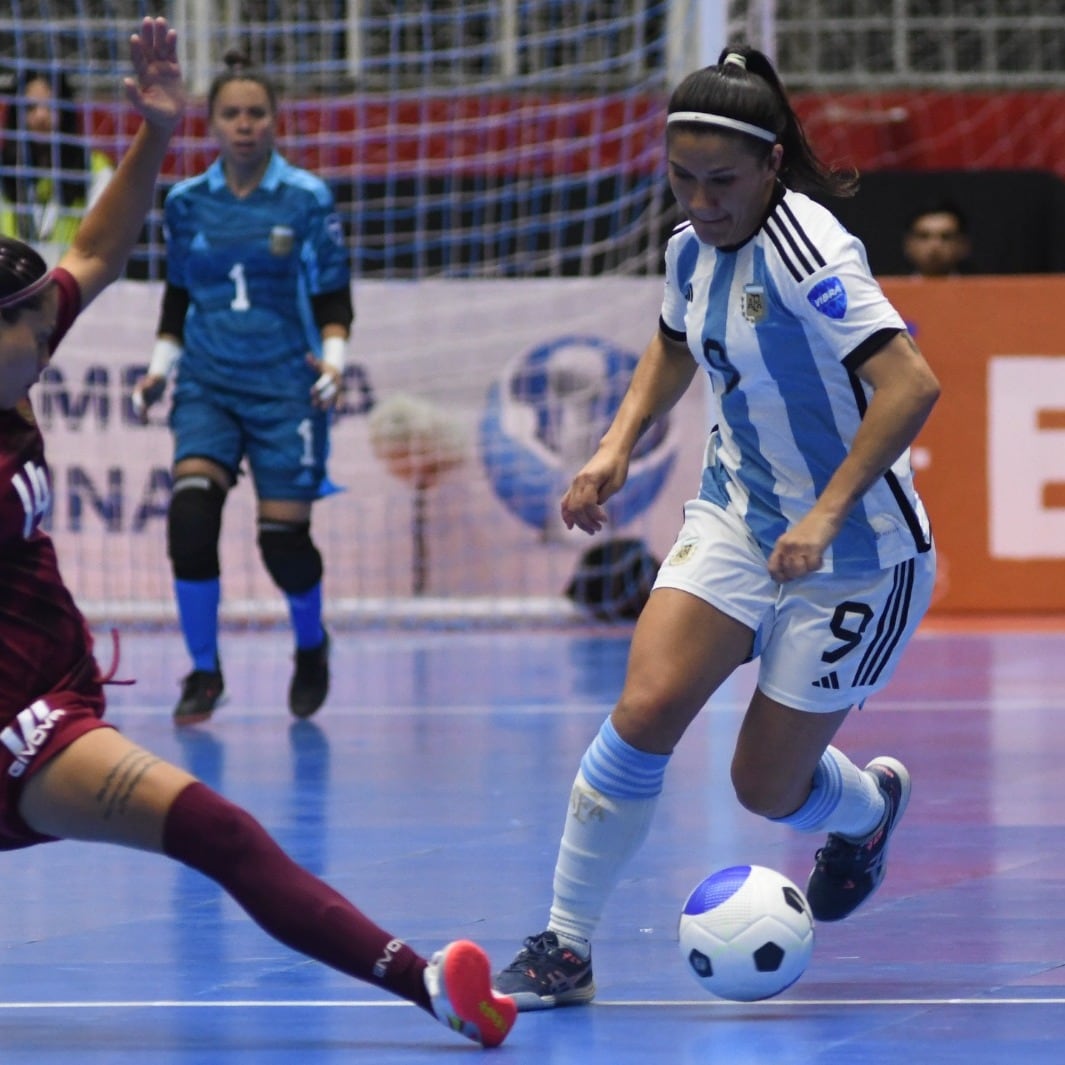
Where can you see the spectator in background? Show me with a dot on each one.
(48, 176)
(936, 242)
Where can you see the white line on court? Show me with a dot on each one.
(818, 1003)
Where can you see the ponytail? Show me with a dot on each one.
(742, 95)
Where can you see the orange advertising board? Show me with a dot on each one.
(991, 460)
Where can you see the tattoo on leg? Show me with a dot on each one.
(122, 781)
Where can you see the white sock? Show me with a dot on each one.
(861, 805)
(844, 799)
(600, 835)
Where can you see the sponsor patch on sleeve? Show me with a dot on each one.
(829, 297)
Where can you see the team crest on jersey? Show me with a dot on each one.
(753, 307)
(829, 297)
(681, 553)
(335, 228)
(282, 240)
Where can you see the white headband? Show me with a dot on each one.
(722, 120)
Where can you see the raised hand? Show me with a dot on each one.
(158, 90)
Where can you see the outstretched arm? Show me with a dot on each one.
(109, 231)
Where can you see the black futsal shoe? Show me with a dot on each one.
(310, 681)
(201, 692)
(846, 871)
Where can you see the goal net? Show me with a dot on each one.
(488, 138)
(498, 168)
(522, 138)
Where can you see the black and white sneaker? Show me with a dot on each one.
(201, 692)
(545, 974)
(846, 872)
(310, 681)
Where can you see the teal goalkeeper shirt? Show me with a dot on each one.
(250, 266)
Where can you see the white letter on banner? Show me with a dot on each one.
(1026, 456)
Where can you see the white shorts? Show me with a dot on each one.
(826, 642)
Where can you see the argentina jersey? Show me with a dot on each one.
(250, 266)
(780, 323)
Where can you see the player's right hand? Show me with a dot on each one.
(601, 477)
(146, 392)
(157, 90)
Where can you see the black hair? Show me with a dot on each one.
(68, 151)
(20, 267)
(942, 205)
(750, 91)
(239, 67)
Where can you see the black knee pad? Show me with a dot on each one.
(193, 525)
(289, 555)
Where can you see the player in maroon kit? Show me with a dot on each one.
(64, 772)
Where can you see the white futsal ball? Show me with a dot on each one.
(746, 933)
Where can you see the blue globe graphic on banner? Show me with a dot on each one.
(543, 419)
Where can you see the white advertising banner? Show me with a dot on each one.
(1025, 456)
(469, 406)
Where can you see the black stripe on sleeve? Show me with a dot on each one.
(672, 334)
(778, 222)
(817, 256)
(870, 346)
(782, 252)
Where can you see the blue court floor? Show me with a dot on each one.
(431, 790)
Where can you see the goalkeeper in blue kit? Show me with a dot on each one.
(254, 326)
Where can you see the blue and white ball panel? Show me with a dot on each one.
(717, 889)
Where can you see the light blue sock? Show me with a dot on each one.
(613, 800)
(198, 609)
(844, 799)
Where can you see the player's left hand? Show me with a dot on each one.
(329, 387)
(800, 550)
(146, 392)
(157, 91)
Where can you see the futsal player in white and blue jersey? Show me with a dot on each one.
(256, 315)
(807, 547)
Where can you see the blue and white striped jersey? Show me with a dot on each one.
(780, 324)
(250, 266)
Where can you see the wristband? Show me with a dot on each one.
(335, 353)
(165, 357)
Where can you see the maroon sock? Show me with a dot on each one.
(226, 843)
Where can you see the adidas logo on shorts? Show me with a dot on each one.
(28, 733)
